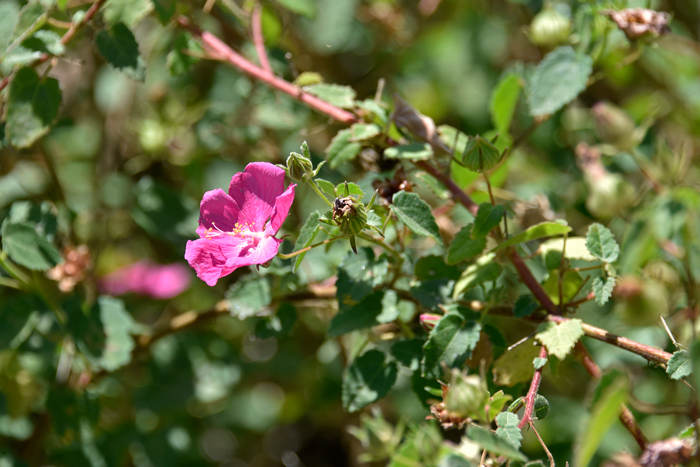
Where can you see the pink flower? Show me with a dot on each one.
(146, 278)
(239, 229)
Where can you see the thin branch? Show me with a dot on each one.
(259, 40)
(64, 40)
(531, 283)
(532, 392)
(544, 446)
(218, 50)
(626, 416)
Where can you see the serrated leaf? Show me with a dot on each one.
(353, 190)
(32, 107)
(603, 289)
(9, 13)
(361, 315)
(341, 149)
(539, 363)
(525, 306)
(679, 365)
(504, 419)
(463, 247)
(415, 214)
(279, 324)
(339, 96)
(368, 379)
(560, 338)
(545, 229)
(45, 41)
(450, 342)
(492, 443)
(364, 131)
(306, 236)
(248, 296)
(408, 352)
(488, 217)
(485, 269)
(29, 17)
(557, 80)
(128, 12)
(515, 366)
(603, 415)
(601, 243)
(118, 326)
(358, 274)
(119, 47)
(511, 434)
(504, 100)
(325, 186)
(25, 246)
(410, 152)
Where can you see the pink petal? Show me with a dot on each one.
(217, 210)
(166, 281)
(209, 256)
(256, 191)
(280, 211)
(265, 250)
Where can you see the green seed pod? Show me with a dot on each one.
(549, 28)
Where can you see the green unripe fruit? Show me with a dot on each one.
(549, 28)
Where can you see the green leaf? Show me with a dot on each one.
(178, 60)
(525, 306)
(279, 324)
(410, 152)
(603, 289)
(29, 17)
(484, 270)
(303, 7)
(508, 428)
(515, 366)
(118, 326)
(504, 100)
(488, 217)
(32, 107)
(119, 47)
(129, 12)
(575, 249)
(165, 9)
(18, 317)
(545, 229)
(248, 295)
(557, 80)
(368, 379)
(560, 338)
(603, 415)
(679, 365)
(9, 13)
(27, 247)
(450, 342)
(40, 217)
(353, 190)
(325, 186)
(463, 247)
(358, 274)
(601, 243)
(341, 149)
(362, 315)
(539, 363)
(541, 407)
(494, 444)
(364, 131)
(339, 96)
(504, 419)
(408, 352)
(415, 214)
(571, 282)
(433, 267)
(306, 236)
(480, 154)
(45, 41)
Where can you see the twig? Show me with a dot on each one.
(259, 40)
(531, 283)
(544, 446)
(521, 341)
(532, 392)
(218, 50)
(64, 40)
(626, 416)
(670, 334)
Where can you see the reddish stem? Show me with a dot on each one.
(531, 283)
(456, 191)
(218, 50)
(258, 40)
(64, 40)
(532, 392)
(626, 416)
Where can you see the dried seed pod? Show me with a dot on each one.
(639, 22)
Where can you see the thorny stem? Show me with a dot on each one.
(258, 40)
(64, 40)
(532, 392)
(544, 446)
(304, 250)
(626, 416)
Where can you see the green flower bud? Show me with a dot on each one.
(480, 154)
(350, 215)
(466, 396)
(614, 126)
(549, 28)
(298, 166)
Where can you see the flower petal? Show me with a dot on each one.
(217, 210)
(280, 211)
(255, 191)
(209, 257)
(265, 250)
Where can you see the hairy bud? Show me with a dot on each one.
(549, 28)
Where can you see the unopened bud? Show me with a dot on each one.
(467, 396)
(614, 126)
(298, 166)
(429, 320)
(549, 28)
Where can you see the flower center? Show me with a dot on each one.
(239, 230)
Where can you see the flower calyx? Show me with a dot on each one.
(350, 215)
(299, 166)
